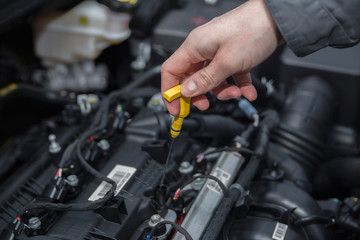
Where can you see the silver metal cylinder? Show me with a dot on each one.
(210, 195)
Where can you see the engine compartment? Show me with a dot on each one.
(90, 163)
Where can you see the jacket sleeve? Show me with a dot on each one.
(309, 25)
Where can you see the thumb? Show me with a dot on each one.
(204, 80)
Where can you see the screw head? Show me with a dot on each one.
(54, 147)
(34, 223)
(52, 137)
(185, 164)
(198, 182)
(155, 219)
(72, 180)
(104, 144)
(185, 167)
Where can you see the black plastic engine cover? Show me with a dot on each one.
(132, 206)
(117, 219)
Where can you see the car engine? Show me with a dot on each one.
(85, 135)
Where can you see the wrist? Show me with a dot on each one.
(270, 20)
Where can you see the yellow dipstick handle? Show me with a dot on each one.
(170, 95)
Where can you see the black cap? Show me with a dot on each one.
(121, 5)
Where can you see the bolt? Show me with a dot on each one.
(273, 173)
(197, 183)
(104, 144)
(34, 223)
(185, 167)
(54, 147)
(155, 219)
(138, 64)
(72, 180)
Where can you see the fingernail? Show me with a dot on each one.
(189, 87)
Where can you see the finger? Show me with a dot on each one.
(170, 79)
(201, 102)
(226, 91)
(208, 77)
(243, 81)
(183, 61)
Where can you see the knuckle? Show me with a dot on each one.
(193, 33)
(163, 69)
(227, 66)
(206, 80)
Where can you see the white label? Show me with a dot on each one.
(223, 176)
(120, 175)
(280, 231)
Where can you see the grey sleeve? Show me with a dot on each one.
(309, 25)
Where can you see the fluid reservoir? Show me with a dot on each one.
(78, 34)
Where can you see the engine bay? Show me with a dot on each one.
(85, 134)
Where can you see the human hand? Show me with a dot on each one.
(229, 45)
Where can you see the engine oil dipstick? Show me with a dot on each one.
(170, 95)
(167, 161)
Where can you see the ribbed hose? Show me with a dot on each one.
(306, 117)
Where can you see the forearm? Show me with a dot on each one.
(309, 25)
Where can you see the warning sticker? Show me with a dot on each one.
(279, 231)
(223, 176)
(120, 175)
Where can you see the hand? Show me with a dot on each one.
(229, 45)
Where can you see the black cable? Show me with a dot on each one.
(88, 205)
(313, 219)
(221, 184)
(67, 153)
(178, 228)
(233, 149)
(143, 78)
(100, 122)
(348, 226)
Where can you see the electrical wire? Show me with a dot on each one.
(178, 228)
(67, 153)
(314, 219)
(177, 193)
(221, 184)
(100, 120)
(327, 220)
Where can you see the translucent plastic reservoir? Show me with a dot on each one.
(78, 34)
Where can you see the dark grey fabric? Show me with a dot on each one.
(309, 25)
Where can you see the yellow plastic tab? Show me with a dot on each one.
(184, 106)
(8, 89)
(170, 95)
(173, 93)
(128, 1)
